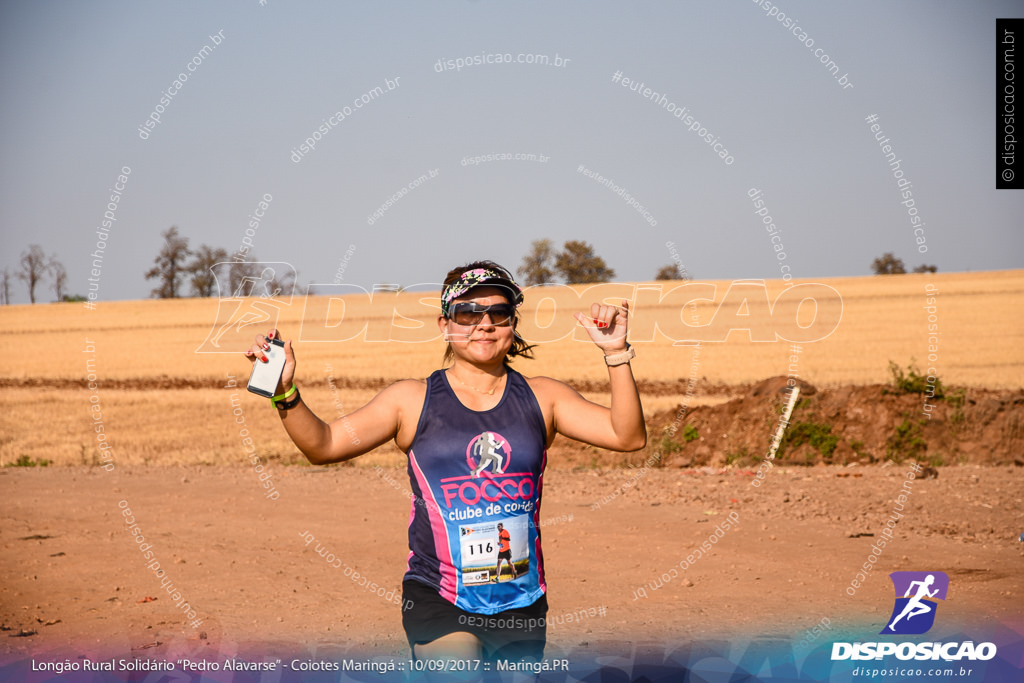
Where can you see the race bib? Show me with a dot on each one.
(490, 554)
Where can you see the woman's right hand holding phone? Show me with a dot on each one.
(257, 354)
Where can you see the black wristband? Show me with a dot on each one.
(290, 403)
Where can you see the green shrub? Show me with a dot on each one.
(690, 434)
(819, 435)
(668, 445)
(913, 382)
(905, 441)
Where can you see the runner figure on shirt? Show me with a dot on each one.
(488, 454)
(505, 552)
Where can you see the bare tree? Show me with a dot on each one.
(243, 276)
(536, 268)
(170, 264)
(284, 284)
(888, 264)
(578, 264)
(5, 287)
(60, 277)
(202, 271)
(239, 273)
(33, 267)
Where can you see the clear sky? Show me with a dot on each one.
(79, 79)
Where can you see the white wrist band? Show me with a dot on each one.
(620, 358)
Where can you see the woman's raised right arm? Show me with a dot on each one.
(349, 436)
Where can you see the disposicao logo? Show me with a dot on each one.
(917, 594)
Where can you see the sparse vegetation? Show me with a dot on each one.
(669, 445)
(690, 434)
(906, 442)
(858, 447)
(88, 458)
(25, 461)
(956, 400)
(817, 434)
(739, 458)
(801, 404)
(913, 382)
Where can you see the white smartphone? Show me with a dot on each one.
(265, 376)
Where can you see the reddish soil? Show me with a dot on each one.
(76, 583)
(842, 425)
(615, 539)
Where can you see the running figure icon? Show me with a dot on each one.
(256, 300)
(486, 448)
(915, 605)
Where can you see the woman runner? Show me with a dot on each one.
(476, 434)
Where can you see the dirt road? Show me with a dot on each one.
(615, 546)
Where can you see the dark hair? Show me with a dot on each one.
(519, 345)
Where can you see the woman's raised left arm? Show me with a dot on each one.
(620, 427)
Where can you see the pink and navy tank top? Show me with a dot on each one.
(475, 476)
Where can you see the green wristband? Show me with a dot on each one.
(285, 395)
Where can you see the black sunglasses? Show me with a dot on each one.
(468, 313)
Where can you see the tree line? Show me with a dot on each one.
(889, 264)
(200, 269)
(178, 269)
(577, 263)
(33, 268)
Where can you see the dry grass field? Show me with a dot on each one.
(163, 398)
